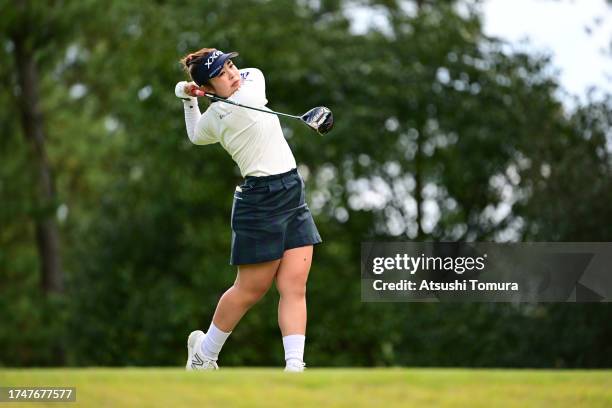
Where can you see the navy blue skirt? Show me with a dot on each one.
(269, 216)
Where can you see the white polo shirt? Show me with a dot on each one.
(254, 139)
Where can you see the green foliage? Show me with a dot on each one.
(431, 110)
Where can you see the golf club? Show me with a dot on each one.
(319, 119)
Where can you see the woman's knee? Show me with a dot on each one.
(251, 294)
(291, 289)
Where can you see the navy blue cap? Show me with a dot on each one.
(210, 66)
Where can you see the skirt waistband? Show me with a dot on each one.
(257, 179)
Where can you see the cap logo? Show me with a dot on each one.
(212, 57)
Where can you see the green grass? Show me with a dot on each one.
(321, 388)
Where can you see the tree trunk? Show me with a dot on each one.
(47, 235)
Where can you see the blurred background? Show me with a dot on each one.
(114, 228)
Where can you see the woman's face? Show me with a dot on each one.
(227, 82)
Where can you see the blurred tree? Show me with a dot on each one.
(435, 123)
(26, 45)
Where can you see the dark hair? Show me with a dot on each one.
(190, 60)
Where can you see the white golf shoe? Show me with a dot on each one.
(195, 358)
(295, 366)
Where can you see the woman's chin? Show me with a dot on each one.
(234, 90)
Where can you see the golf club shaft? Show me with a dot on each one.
(216, 98)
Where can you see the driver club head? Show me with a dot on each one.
(320, 119)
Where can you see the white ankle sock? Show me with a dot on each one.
(215, 338)
(294, 347)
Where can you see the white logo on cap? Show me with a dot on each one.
(211, 59)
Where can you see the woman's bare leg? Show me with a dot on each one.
(252, 283)
(291, 284)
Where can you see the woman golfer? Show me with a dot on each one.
(273, 231)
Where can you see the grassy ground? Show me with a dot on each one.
(163, 387)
